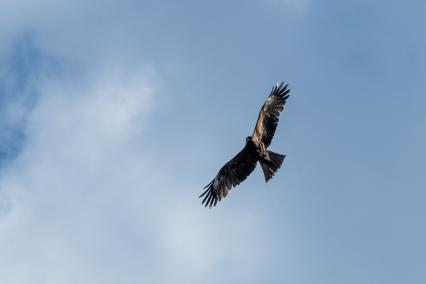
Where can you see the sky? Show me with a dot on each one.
(115, 114)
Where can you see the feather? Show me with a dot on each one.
(230, 175)
(269, 115)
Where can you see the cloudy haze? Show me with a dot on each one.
(115, 114)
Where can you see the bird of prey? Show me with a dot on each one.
(255, 150)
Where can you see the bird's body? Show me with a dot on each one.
(255, 150)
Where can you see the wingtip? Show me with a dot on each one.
(280, 88)
(210, 199)
(204, 193)
(208, 184)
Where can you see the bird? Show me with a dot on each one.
(255, 150)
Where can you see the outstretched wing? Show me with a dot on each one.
(230, 175)
(269, 115)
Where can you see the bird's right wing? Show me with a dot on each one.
(230, 175)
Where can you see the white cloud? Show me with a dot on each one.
(64, 180)
(88, 200)
(85, 202)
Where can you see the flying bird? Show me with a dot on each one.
(255, 150)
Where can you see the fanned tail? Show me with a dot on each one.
(271, 166)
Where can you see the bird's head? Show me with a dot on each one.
(248, 139)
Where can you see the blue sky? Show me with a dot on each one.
(115, 114)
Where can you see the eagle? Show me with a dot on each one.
(256, 150)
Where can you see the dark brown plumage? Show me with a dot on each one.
(255, 150)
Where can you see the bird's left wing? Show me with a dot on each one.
(269, 115)
(230, 175)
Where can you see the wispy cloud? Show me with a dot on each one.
(64, 189)
(95, 207)
(86, 199)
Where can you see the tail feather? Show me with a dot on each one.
(273, 164)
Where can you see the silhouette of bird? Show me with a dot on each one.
(255, 150)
